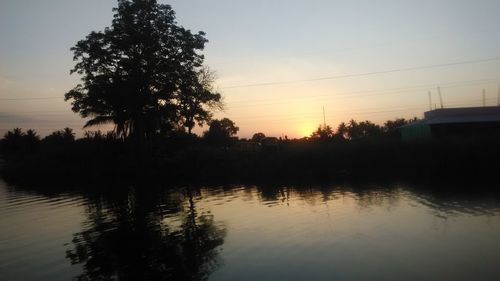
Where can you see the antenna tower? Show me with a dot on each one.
(430, 100)
(484, 97)
(440, 97)
(498, 102)
(324, 117)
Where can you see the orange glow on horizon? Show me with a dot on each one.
(305, 128)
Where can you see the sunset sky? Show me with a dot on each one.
(278, 62)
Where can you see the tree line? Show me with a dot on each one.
(353, 130)
(221, 132)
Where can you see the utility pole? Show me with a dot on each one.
(324, 117)
(498, 102)
(430, 100)
(484, 97)
(440, 97)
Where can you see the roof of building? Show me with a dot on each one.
(462, 115)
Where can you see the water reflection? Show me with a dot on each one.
(128, 238)
(268, 232)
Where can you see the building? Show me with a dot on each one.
(455, 122)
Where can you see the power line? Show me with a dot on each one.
(260, 116)
(347, 95)
(334, 77)
(407, 110)
(366, 112)
(41, 98)
(386, 91)
(356, 110)
(370, 112)
(36, 111)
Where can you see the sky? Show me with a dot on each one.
(278, 62)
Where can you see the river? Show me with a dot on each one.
(236, 232)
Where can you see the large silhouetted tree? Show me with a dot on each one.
(144, 73)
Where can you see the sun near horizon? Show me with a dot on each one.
(306, 129)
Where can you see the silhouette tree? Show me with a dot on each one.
(355, 130)
(12, 142)
(32, 135)
(221, 131)
(14, 136)
(16, 141)
(323, 132)
(128, 238)
(196, 98)
(31, 140)
(391, 126)
(143, 73)
(64, 136)
(342, 131)
(257, 137)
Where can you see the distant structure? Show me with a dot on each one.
(267, 144)
(270, 144)
(247, 146)
(455, 122)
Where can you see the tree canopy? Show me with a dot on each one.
(257, 137)
(323, 132)
(144, 73)
(221, 131)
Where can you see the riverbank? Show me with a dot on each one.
(89, 162)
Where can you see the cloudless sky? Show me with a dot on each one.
(280, 42)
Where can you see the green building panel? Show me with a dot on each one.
(419, 131)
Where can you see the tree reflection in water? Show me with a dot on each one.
(135, 237)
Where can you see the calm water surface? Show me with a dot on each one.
(391, 232)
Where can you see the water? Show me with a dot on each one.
(388, 232)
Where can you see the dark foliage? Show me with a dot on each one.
(220, 132)
(257, 137)
(144, 73)
(324, 132)
(62, 137)
(128, 239)
(364, 150)
(16, 142)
